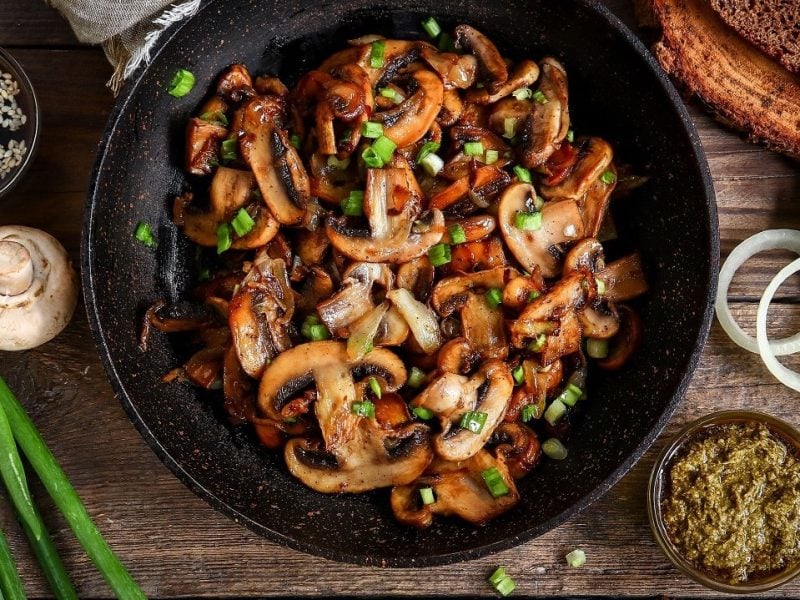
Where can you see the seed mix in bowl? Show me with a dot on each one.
(12, 118)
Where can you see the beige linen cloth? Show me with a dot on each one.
(127, 29)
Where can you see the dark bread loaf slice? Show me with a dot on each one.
(740, 83)
(771, 25)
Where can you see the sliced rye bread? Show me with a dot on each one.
(771, 25)
(740, 83)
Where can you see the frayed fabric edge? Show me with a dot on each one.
(126, 62)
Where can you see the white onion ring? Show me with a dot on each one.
(786, 376)
(771, 239)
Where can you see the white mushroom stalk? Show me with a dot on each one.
(38, 288)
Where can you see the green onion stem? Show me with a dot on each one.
(50, 561)
(10, 583)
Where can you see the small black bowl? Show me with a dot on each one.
(617, 91)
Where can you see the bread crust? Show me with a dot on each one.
(737, 81)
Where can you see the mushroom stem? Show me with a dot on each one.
(16, 268)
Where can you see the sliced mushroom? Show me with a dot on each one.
(520, 291)
(549, 122)
(393, 329)
(594, 204)
(475, 228)
(491, 63)
(452, 107)
(202, 145)
(587, 254)
(624, 278)
(456, 71)
(457, 356)
(509, 112)
(392, 238)
(410, 120)
(354, 298)
(594, 157)
(525, 74)
(231, 190)
(235, 83)
(626, 342)
(317, 286)
(460, 165)
(477, 256)
(519, 446)
(484, 327)
(561, 222)
(459, 489)
(451, 293)
(417, 276)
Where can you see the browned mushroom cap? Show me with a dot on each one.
(410, 120)
(460, 165)
(457, 356)
(587, 254)
(202, 145)
(519, 446)
(354, 298)
(235, 83)
(549, 122)
(231, 190)
(484, 327)
(491, 63)
(509, 115)
(452, 107)
(417, 276)
(451, 293)
(317, 285)
(598, 319)
(277, 167)
(624, 278)
(458, 489)
(475, 227)
(456, 71)
(561, 222)
(393, 329)
(626, 342)
(260, 314)
(525, 74)
(392, 238)
(594, 204)
(594, 157)
(451, 396)
(519, 292)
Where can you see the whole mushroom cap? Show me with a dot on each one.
(38, 288)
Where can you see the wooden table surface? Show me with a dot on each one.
(176, 545)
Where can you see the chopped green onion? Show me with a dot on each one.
(530, 411)
(608, 177)
(555, 412)
(243, 223)
(415, 378)
(533, 295)
(230, 150)
(538, 203)
(427, 148)
(537, 344)
(294, 140)
(474, 421)
(427, 495)
(376, 54)
(494, 297)
(492, 156)
(384, 148)
(554, 449)
(518, 374)
(439, 254)
(431, 27)
(224, 240)
(432, 164)
(372, 130)
(528, 221)
(597, 348)
(371, 158)
(375, 387)
(422, 413)
(318, 333)
(570, 395)
(502, 582)
(522, 174)
(305, 328)
(576, 558)
(509, 127)
(144, 233)
(601, 286)
(524, 93)
(446, 43)
(353, 205)
(498, 576)
(181, 84)
(215, 116)
(539, 97)
(457, 234)
(494, 482)
(363, 409)
(473, 148)
(392, 94)
(339, 165)
(570, 136)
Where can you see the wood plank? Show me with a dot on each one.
(33, 23)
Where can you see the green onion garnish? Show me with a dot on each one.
(473, 148)
(457, 234)
(372, 130)
(528, 221)
(533, 295)
(446, 43)
(432, 164)
(502, 582)
(539, 97)
(522, 93)
(305, 328)
(601, 286)
(518, 374)
(494, 481)
(509, 127)
(431, 27)
(492, 156)
(554, 449)
(384, 148)
(427, 495)
(608, 177)
(494, 297)
(363, 409)
(439, 254)
(353, 205)
(224, 240)
(294, 140)
(392, 94)
(319, 332)
(570, 136)
(415, 378)
(570, 395)
(375, 387)
(144, 233)
(215, 116)
(538, 343)
(181, 84)
(555, 412)
(522, 174)
(538, 203)
(422, 413)
(339, 165)
(230, 150)
(474, 421)
(576, 558)
(597, 348)
(376, 55)
(530, 411)
(427, 148)
(371, 158)
(242, 223)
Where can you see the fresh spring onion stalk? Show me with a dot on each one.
(66, 498)
(10, 583)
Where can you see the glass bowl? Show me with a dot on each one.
(690, 432)
(29, 132)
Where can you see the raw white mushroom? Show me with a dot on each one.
(38, 288)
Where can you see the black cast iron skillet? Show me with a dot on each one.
(617, 91)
